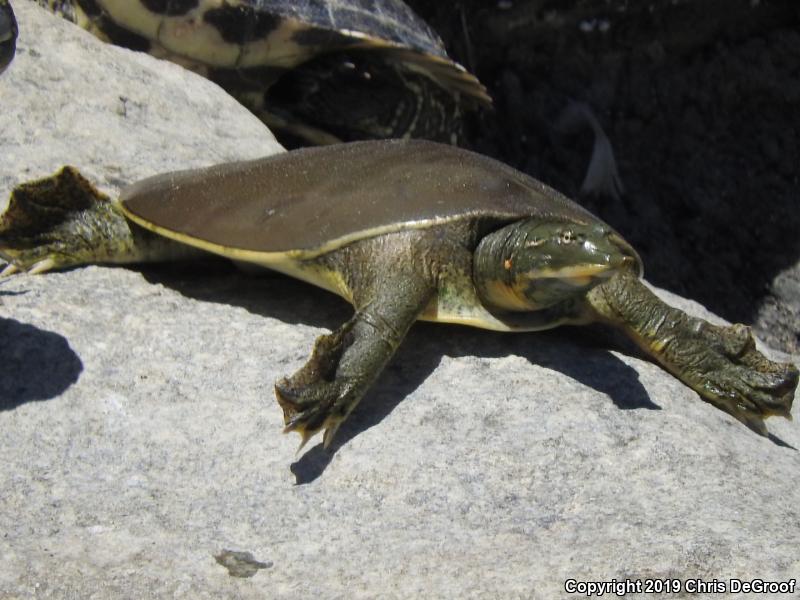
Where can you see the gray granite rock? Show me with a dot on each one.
(115, 114)
(140, 438)
(142, 455)
(778, 317)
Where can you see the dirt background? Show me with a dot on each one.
(701, 102)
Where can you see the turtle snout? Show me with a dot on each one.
(607, 252)
(623, 257)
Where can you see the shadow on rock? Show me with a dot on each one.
(779, 442)
(34, 364)
(273, 295)
(581, 353)
(260, 291)
(424, 349)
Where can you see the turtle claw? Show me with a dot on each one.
(44, 265)
(723, 365)
(305, 436)
(41, 266)
(330, 432)
(315, 398)
(311, 409)
(342, 366)
(9, 270)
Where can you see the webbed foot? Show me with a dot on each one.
(314, 398)
(721, 364)
(59, 221)
(345, 363)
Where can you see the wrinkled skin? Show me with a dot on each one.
(721, 364)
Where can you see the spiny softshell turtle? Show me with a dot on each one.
(326, 71)
(404, 230)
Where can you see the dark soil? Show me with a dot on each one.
(701, 102)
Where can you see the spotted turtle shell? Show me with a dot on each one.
(265, 35)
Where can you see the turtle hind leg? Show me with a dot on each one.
(58, 221)
(721, 364)
(64, 221)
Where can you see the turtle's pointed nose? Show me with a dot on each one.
(624, 257)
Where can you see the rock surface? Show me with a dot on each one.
(780, 312)
(140, 436)
(117, 115)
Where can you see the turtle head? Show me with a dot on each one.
(531, 265)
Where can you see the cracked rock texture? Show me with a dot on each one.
(140, 437)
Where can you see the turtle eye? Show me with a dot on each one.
(567, 236)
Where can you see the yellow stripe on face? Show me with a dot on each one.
(513, 297)
(580, 282)
(579, 274)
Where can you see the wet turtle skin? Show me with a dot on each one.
(404, 230)
(322, 71)
(8, 34)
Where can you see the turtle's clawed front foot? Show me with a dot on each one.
(723, 365)
(315, 398)
(345, 363)
(312, 408)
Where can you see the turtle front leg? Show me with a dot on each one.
(344, 364)
(719, 363)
